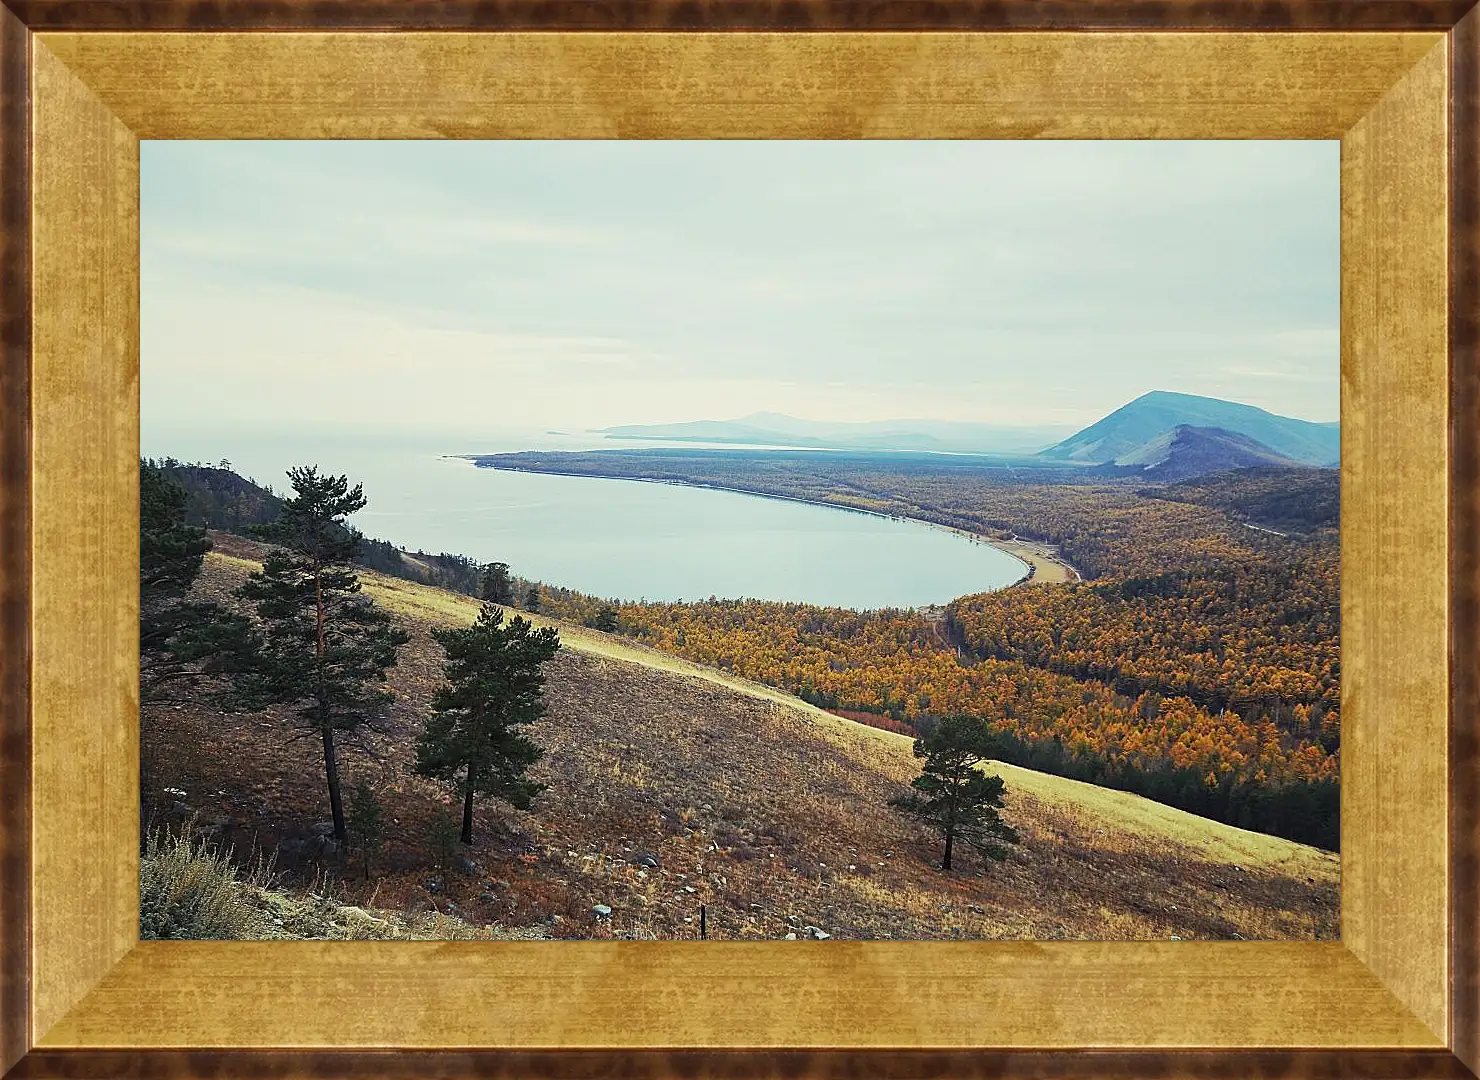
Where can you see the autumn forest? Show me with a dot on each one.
(1197, 663)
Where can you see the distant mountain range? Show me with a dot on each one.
(1123, 435)
(1169, 436)
(776, 429)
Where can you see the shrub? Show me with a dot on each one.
(443, 832)
(366, 821)
(189, 890)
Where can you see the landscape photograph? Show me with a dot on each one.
(794, 541)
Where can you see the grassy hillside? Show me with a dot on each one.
(767, 811)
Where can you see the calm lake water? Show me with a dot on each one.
(620, 538)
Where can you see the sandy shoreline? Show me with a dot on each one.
(1047, 568)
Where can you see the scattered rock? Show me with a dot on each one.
(706, 806)
(978, 910)
(790, 937)
(689, 889)
(468, 866)
(816, 933)
(601, 911)
(644, 858)
(434, 885)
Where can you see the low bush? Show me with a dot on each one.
(188, 890)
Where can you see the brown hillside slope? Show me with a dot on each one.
(771, 814)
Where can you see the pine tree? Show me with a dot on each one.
(181, 641)
(495, 586)
(952, 795)
(605, 620)
(325, 646)
(494, 686)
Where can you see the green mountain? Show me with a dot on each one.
(1123, 433)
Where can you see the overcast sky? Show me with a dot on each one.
(582, 284)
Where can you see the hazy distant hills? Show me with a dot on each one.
(1123, 435)
(1170, 436)
(776, 429)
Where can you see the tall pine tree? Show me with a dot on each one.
(495, 685)
(496, 586)
(952, 795)
(325, 646)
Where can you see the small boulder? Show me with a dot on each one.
(601, 911)
(644, 858)
(790, 937)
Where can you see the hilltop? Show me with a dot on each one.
(673, 785)
(1127, 429)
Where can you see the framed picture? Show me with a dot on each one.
(1392, 991)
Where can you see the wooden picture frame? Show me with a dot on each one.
(81, 81)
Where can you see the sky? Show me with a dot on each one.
(404, 286)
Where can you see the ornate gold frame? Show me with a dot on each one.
(1395, 82)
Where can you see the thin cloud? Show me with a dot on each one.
(609, 283)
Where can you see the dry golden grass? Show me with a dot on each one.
(770, 813)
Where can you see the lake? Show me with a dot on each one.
(621, 539)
